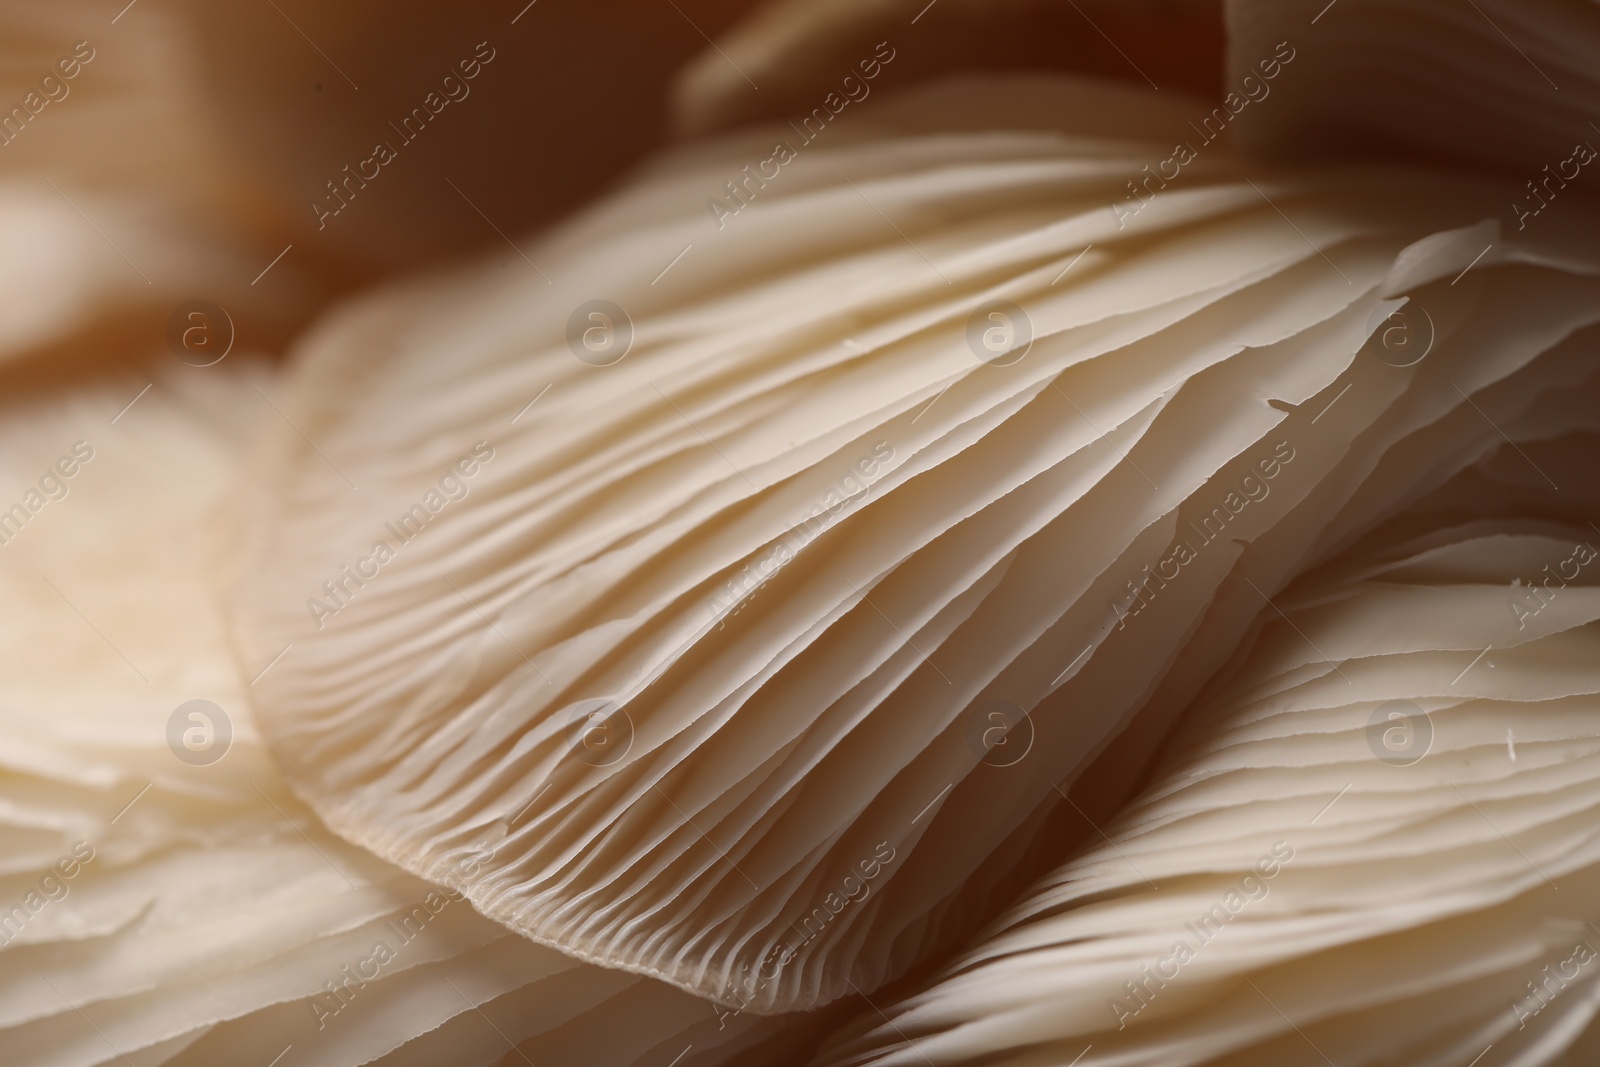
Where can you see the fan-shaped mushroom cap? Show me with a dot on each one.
(710, 572)
(162, 895)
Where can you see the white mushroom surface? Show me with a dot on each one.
(1374, 841)
(703, 601)
(189, 911)
(972, 557)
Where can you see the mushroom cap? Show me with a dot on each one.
(163, 896)
(703, 558)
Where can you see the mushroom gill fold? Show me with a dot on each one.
(1372, 841)
(706, 577)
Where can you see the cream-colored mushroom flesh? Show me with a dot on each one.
(1373, 841)
(760, 558)
(190, 909)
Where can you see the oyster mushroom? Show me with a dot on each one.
(162, 894)
(698, 577)
(731, 602)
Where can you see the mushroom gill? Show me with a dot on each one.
(1373, 841)
(986, 560)
(163, 897)
(708, 578)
